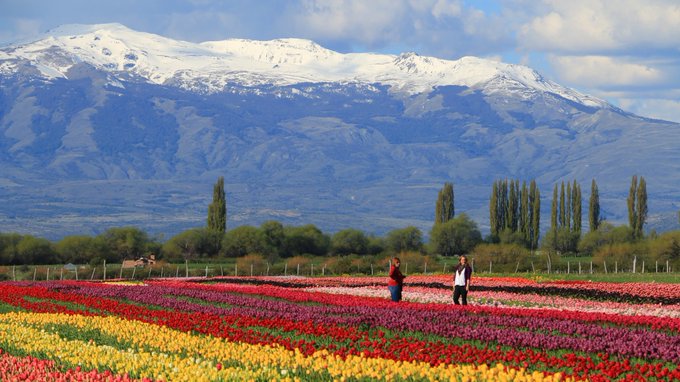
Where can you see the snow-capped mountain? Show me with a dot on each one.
(115, 49)
(101, 125)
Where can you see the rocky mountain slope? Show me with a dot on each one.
(103, 126)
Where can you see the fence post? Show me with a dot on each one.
(92, 276)
(311, 273)
(579, 267)
(134, 270)
(656, 266)
(616, 267)
(76, 273)
(61, 274)
(186, 267)
(634, 263)
(162, 268)
(643, 266)
(236, 269)
(323, 270)
(121, 271)
(267, 268)
(490, 263)
(221, 270)
(14, 274)
(298, 269)
(533, 269)
(35, 272)
(444, 267)
(406, 270)
(568, 267)
(177, 271)
(605, 267)
(591, 267)
(48, 274)
(372, 269)
(668, 268)
(104, 270)
(206, 271)
(149, 276)
(285, 269)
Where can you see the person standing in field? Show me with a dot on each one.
(461, 281)
(396, 282)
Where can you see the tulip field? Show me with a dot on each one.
(338, 328)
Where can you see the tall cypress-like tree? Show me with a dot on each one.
(554, 220)
(641, 206)
(535, 201)
(217, 210)
(594, 207)
(511, 222)
(569, 203)
(576, 207)
(493, 210)
(524, 212)
(563, 209)
(632, 209)
(444, 209)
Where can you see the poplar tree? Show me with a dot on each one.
(563, 209)
(569, 203)
(493, 210)
(553, 211)
(511, 222)
(217, 210)
(576, 207)
(641, 206)
(632, 211)
(444, 208)
(594, 207)
(524, 212)
(535, 217)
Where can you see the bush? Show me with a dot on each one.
(502, 257)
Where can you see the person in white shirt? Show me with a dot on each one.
(461, 281)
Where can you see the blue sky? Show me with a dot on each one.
(624, 51)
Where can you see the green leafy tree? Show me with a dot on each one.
(563, 208)
(34, 250)
(349, 241)
(524, 215)
(217, 210)
(535, 217)
(77, 249)
(306, 239)
(444, 208)
(455, 237)
(274, 233)
(594, 207)
(8, 248)
(554, 212)
(632, 210)
(192, 244)
(124, 243)
(404, 240)
(576, 204)
(244, 240)
(642, 208)
(493, 211)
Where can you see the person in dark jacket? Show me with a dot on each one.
(461, 281)
(396, 281)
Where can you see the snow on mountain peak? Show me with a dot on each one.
(211, 65)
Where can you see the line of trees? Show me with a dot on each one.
(515, 213)
(514, 219)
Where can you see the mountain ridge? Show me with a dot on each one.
(85, 145)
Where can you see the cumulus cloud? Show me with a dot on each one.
(606, 72)
(587, 26)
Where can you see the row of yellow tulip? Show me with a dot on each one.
(162, 353)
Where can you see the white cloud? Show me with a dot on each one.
(606, 72)
(666, 109)
(587, 26)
